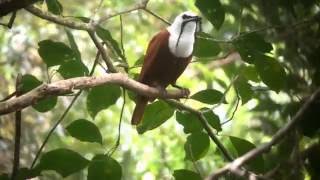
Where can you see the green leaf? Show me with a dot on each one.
(189, 121)
(73, 44)
(205, 48)
(270, 72)
(46, 104)
(251, 44)
(25, 173)
(4, 177)
(208, 96)
(242, 146)
(29, 82)
(244, 89)
(104, 167)
(197, 146)
(213, 11)
(212, 119)
(63, 161)
(55, 53)
(54, 6)
(250, 73)
(72, 69)
(101, 97)
(105, 35)
(84, 130)
(184, 174)
(155, 114)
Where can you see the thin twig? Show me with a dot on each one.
(17, 137)
(137, 6)
(113, 149)
(157, 16)
(103, 52)
(234, 111)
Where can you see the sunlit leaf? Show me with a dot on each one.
(184, 174)
(105, 35)
(242, 146)
(29, 82)
(208, 96)
(101, 97)
(212, 118)
(212, 10)
(155, 114)
(63, 161)
(197, 145)
(54, 6)
(250, 73)
(244, 89)
(104, 167)
(55, 53)
(84, 130)
(204, 47)
(250, 45)
(189, 121)
(72, 69)
(270, 72)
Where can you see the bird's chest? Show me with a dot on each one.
(181, 47)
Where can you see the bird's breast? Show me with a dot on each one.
(182, 48)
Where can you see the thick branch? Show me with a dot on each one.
(237, 163)
(66, 86)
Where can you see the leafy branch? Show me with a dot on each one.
(235, 166)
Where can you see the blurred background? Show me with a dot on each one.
(291, 26)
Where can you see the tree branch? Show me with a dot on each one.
(63, 87)
(206, 126)
(58, 20)
(103, 52)
(140, 5)
(237, 163)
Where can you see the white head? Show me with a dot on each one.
(182, 33)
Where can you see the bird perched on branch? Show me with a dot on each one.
(168, 54)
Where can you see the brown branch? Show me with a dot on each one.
(237, 163)
(66, 86)
(206, 126)
(102, 51)
(58, 19)
(137, 6)
(17, 137)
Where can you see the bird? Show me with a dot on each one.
(167, 56)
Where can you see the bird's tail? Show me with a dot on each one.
(141, 104)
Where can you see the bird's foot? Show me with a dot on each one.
(185, 91)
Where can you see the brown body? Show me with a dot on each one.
(160, 68)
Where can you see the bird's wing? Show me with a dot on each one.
(156, 43)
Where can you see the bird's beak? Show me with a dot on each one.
(196, 18)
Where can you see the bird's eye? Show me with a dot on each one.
(186, 16)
